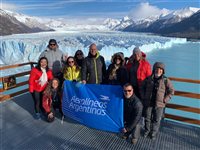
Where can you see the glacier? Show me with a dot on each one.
(21, 48)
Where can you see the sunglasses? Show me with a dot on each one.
(69, 62)
(127, 91)
(79, 54)
(52, 44)
(118, 58)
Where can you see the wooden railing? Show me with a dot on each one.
(171, 106)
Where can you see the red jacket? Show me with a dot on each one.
(47, 102)
(144, 69)
(34, 80)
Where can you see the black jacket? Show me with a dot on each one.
(132, 112)
(93, 69)
(121, 73)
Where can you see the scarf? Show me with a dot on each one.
(43, 78)
(113, 74)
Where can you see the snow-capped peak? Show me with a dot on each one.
(181, 13)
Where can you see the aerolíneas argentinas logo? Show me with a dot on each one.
(87, 105)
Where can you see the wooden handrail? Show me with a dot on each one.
(183, 119)
(187, 94)
(184, 108)
(17, 85)
(18, 75)
(6, 97)
(184, 80)
(16, 65)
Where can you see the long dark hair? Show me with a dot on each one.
(78, 51)
(75, 63)
(39, 66)
(48, 90)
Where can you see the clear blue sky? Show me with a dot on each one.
(91, 8)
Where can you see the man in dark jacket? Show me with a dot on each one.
(156, 92)
(132, 114)
(93, 67)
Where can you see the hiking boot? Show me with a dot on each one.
(134, 141)
(37, 116)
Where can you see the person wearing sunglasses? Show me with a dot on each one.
(55, 58)
(79, 57)
(116, 73)
(71, 70)
(132, 114)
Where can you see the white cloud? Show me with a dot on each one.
(144, 10)
(8, 6)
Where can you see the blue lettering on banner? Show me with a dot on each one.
(94, 105)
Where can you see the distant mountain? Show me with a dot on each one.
(167, 24)
(13, 23)
(189, 28)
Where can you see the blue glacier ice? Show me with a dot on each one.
(27, 47)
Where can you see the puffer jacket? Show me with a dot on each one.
(47, 103)
(144, 69)
(34, 80)
(71, 73)
(93, 69)
(55, 59)
(164, 92)
(132, 112)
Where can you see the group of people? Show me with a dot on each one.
(146, 91)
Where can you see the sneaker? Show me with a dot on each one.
(146, 134)
(153, 136)
(37, 116)
(134, 141)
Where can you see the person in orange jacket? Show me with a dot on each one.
(39, 77)
(52, 99)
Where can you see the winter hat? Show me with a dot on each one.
(52, 41)
(137, 50)
(119, 54)
(159, 65)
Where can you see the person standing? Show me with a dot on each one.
(55, 58)
(71, 70)
(116, 73)
(157, 90)
(139, 69)
(93, 68)
(79, 57)
(132, 114)
(39, 77)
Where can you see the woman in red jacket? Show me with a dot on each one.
(39, 77)
(52, 99)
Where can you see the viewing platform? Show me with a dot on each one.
(20, 131)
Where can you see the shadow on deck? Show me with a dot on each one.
(20, 131)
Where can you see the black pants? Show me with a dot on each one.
(153, 116)
(37, 97)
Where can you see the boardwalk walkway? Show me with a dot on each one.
(20, 131)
